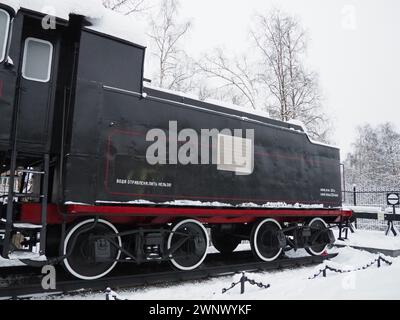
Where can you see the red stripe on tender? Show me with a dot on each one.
(135, 214)
(202, 212)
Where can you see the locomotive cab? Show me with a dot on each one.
(52, 73)
(30, 100)
(30, 83)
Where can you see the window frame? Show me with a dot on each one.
(27, 40)
(6, 36)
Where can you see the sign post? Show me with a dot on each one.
(393, 199)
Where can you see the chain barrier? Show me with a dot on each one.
(242, 282)
(329, 268)
(112, 295)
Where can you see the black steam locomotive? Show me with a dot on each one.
(99, 168)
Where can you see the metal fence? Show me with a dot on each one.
(370, 199)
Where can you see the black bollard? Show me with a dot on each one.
(242, 282)
(108, 291)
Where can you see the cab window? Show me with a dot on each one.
(38, 55)
(4, 30)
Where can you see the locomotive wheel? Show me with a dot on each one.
(264, 240)
(193, 251)
(88, 259)
(224, 242)
(320, 245)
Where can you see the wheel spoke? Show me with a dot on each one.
(188, 243)
(264, 240)
(318, 238)
(90, 255)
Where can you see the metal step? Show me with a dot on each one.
(25, 254)
(26, 226)
(28, 195)
(31, 171)
(14, 173)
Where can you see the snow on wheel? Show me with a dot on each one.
(321, 241)
(90, 255)
(189, 242)
(264, 240)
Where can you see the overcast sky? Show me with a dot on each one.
(354, 45)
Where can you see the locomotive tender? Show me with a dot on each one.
(82, 191)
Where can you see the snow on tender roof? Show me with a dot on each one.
(211, 101)
(103, 20)
(303, 126)
(241, 109)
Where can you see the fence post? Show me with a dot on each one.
(242, 283)
(343, 183)
(354, 195)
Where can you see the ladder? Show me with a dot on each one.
(10, 226)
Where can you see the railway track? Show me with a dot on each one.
(28, 284)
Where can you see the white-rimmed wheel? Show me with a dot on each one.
(90, 253)
(189, 243)
(320, 239)
(264, 240)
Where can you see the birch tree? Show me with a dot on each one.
(174, 67)
(374, 162)
(294, 91)
(126, 6)
(234, 77)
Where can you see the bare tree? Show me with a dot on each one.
(173, 65)
(295, 94)
(238, 82)
(126, 6)
(374, 162)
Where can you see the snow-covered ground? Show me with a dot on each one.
(371, 239)
(372, 283)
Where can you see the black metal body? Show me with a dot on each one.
(84, 131)
(288, 167)
(93, 119)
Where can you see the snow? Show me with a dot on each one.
(241, 247)
(211, 101)
(235, 107)
(372, 283)
(177, 93)
(370, 209)
(27, 255)
(372, 239)
(190, 203)
(10, 263)
(70, 203)
(120, 26)
(61, 9)
(303, 126)
(238, 108)
(363, 209)
(103, 20)
(27, 226)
